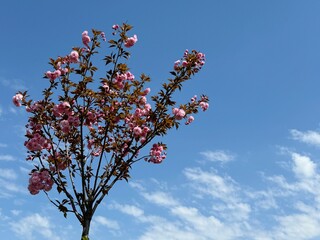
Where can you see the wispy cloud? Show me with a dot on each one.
(309, 137)
(160, 198)
(218, 156)
(14, 84)
(224, 209)
(30, 226)
(9, 174)
(7, 157)
(128, 209)
(11, 187)
(111, 224)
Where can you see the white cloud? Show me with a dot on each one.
(8, 174)
(303, 167)
(28, 227)
(208, 182)
(8, 187)
(136, 185)
(160, 198)
(223, 209)
(15, 212)
(218, 156)
(298, 227)
(309, 137)
(111, 224)
(7, 157)
(128, 209)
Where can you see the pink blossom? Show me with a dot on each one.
(53, 75)
(37, 142)
(74, 120)
(186, 52)
(190, 120)
(147, 107)
(34, 107)
(194, 98)
(143, 100)
(146, 91)
(40, 180)
(62, 108)
(201, 59)
(129, 76)
(156, 154)
(16, 99)
(65, 126)
(184, 63)
(103, 36)
(130, 41)
(178, 113)
(91, 118)
(74, 57)
(115, 27)
(137, 131)
(85, 38)
(204, 105)
(176, 65)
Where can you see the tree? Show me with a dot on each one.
(85, 135)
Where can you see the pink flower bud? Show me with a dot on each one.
(16, 99)
(137, 131)
(115, 27)
(74, 57)
(178, 113)
(204, 105)
(85, 38)
(130, 41)
(190, 120)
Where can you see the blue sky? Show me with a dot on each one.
(245, 169)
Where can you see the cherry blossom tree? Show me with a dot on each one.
(88, 131)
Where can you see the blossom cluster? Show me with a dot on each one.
(65, 116)
(137, 122)
(157, 154)
(195, 61)
(40, 180)
(61, 65)
(36, 140)
(180, 113)
(119, 80)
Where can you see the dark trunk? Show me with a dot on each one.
(86, 227)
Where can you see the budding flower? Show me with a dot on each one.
(74, 57)
(85, 38)
(178, 113)
(17, 99)
(190, 120)
(131, 41)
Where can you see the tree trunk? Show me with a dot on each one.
(86, 228)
